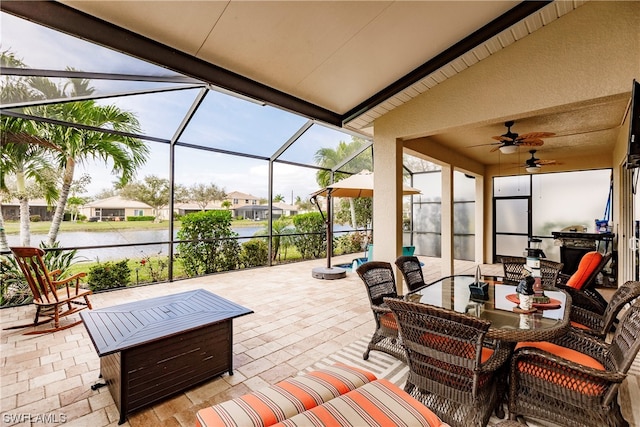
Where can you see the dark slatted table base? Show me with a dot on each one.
(160, 369)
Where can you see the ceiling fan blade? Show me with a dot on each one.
(536, 135)
(483, 145)
(546, 162)
(530, 142)
(502, 138)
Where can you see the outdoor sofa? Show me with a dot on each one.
(334, 395)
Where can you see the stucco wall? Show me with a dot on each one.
(590, 53)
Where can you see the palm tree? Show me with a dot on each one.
(280, 230)
(330, 158)
(27, 158)
(72, 145)
(23, 154)
(124, 153)
(14, 89)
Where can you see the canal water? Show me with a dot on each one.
(137, 238)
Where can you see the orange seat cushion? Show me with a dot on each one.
(452, 346)
(580, 326)
(388, 321)
(581, 384)
(588, 264)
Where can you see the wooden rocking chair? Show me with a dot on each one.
(52, 298)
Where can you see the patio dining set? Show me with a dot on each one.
(470, 352)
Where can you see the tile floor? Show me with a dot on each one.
(298, 320)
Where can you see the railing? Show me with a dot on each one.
(14, 290)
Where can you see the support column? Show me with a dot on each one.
(387, 199)
(446, 228)
(624, 221)
(478, 223)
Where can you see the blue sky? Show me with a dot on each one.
(223, 121)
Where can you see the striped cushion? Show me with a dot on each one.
(285, 399)
(379, 403)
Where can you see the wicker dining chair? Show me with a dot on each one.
(380, 282)
(574, 381)
(411, 272)
(451, 369)
(513, 267)
(601, 324)
(549, 272)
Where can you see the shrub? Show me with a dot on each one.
(254, 253)
(155, 267)
(312, 241)
(211, 246)
(350, 243)
(35, 218)
(141, 218)
(58, 260)
(109, 275)
(14, 289)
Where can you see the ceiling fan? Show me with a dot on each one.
(534, 165)
(509, 142)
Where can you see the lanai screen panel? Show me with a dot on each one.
(48, 49)
(232, 124)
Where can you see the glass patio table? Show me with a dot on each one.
(547, 322)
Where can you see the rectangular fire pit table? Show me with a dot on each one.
(154, 348)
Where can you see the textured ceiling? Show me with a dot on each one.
(587, 130)
(332, 54)
(347, 57)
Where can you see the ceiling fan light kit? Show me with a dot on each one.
(508, 149)
(534, 165)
